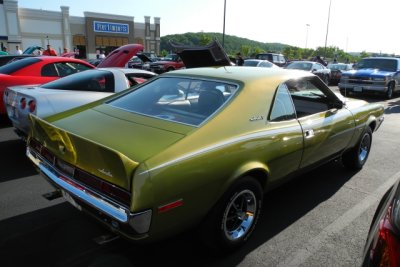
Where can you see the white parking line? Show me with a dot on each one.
(300, 256)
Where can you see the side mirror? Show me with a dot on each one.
(338, 104)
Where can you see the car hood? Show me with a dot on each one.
(120, 56)
(202, 56)
(368, 73)
(144, 58)
(106, 146)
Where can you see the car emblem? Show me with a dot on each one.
(105, 172)
(256, 118)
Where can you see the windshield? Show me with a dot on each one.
(188, 101)
(299, 66)
(14, 66)
(385, 64)
(337, 67)
(252, 63)
(90, 80)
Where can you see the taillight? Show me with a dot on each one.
(32, 105)
(22, 103)
(386, 251)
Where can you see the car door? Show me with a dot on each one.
(326, 124)
(285, 141)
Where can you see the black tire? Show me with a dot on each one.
(326, 79)
(390, 91)
(233, 219)
(355, 158)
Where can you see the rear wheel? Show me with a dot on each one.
(234, 218)
(356, 157)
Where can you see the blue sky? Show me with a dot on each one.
(354, 25)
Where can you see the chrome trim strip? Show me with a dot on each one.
(247, 137)
(112, 210)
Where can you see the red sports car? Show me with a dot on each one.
(37, 70)
(43, 69)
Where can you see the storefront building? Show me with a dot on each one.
(88, 35)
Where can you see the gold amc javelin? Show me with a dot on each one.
(198, 147)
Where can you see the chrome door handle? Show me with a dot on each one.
(309, 133)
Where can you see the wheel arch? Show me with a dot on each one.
(257, 170)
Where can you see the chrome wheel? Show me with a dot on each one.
(365, 146)
(239, 215)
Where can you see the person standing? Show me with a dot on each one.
(239, 59)
(3, 51)
(49, 51)
(18, 51)
(102, 55)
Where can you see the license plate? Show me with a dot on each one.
(68, 198)
(357, 89)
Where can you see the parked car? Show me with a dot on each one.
(141, 61)
(66, 93)
(179, 160)
(37, 70)
(5, 59)
(337, 69)
(373, 75)
(277, 59)
(382, 247)
(314, 67)
(33, 50)
(168, 63)
(259, 63)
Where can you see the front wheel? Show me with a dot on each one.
(356, 157)
(234, 217)
(389, 92)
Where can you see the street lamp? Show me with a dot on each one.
(223, 31)
(307, 25)
(327, 25)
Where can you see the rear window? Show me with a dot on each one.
(12, 67)
(182, 100)
(90, 80)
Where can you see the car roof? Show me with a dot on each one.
(241, 73)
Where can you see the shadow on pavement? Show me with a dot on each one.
(62, 236)
(13, 161)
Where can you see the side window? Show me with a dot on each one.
(307, 97)
(282, 108)
(49, 70)
(68, 68)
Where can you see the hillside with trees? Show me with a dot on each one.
(248, 48)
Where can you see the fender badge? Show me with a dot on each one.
(256, 118)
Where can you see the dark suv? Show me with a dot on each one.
(277, 59)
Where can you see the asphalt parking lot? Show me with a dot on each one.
(319, 219)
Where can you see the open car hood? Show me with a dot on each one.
(202, 56)
(120, 56)
(143, 57)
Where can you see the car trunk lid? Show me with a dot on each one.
(104, 146)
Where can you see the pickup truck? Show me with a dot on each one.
(372, 75)
(170, 62)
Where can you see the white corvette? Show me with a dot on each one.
(66, 93)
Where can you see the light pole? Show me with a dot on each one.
(327, 25)
(307, 25)
(223, 31)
